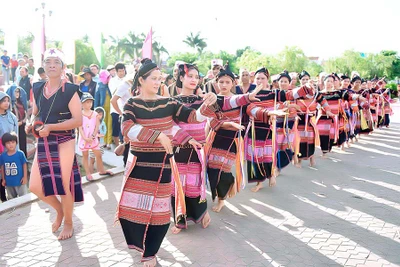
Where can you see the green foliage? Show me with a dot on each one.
(291, 59)
(392, 86)
(240, 52)
(314, 69)
(252, 60)
(203, 61)
(196, 42)
(24, 43)
(84, 55)
(372, 65)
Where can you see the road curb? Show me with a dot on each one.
(15, 203)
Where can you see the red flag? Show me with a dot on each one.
(147, 48)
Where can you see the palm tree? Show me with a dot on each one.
(196, 42)
(85, 39)
(115, 46)
(158, 49)
(131, 44)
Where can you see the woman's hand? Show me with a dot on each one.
(165, 142)
(237, 126)
(209, 98)
(329, 114)
(252, 95)
(195, 144)
(295, 106)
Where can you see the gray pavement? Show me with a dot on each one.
(344, 212)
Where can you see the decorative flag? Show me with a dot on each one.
(147, 48)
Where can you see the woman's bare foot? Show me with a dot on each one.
(342, 147)
(57, 222)
(67, 232)
(298, 163)
(272, 180)
(150, 263)
(257, 187)
(205, 222)
(175, 230)
(219, 206)
(348, 144)
(312, 161)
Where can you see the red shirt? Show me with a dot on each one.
(14, 63)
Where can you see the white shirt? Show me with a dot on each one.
(124, 93)
(114, 84)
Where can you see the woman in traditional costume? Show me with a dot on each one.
(55, 170)
(331, 127)
(261, 143)
(308, 136)
(148, 123)
(227, 144)
(367, 121)
(191, 160)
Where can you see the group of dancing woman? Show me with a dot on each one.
(183, 144)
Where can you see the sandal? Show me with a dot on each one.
(89, 178)
(106, 173)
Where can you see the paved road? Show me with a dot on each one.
(346, 211)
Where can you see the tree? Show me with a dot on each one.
(115, 44)
(240, 52)
(253, 60)
(131, 44)
(84, 55)
(292, 59)
(313, 68)
(85, 39)
(25, 43)
(394, 71)
(196, 42)
(158, 49)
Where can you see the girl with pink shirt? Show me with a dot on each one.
(88, 139)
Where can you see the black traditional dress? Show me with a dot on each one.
(145, 204)
(191, 166)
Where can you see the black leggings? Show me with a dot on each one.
(3, 193)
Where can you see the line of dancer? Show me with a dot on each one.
(223, 134)
(218, 137)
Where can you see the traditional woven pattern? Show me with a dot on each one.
(48, 159)
(139, 204)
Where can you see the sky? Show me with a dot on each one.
(321, 28)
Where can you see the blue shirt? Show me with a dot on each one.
(13, 167)
(103, 131)
(6, 60)
(85, 88)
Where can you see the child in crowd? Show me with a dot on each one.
(8, 124)
(101, 133)
(14, 167)
(88, 139)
